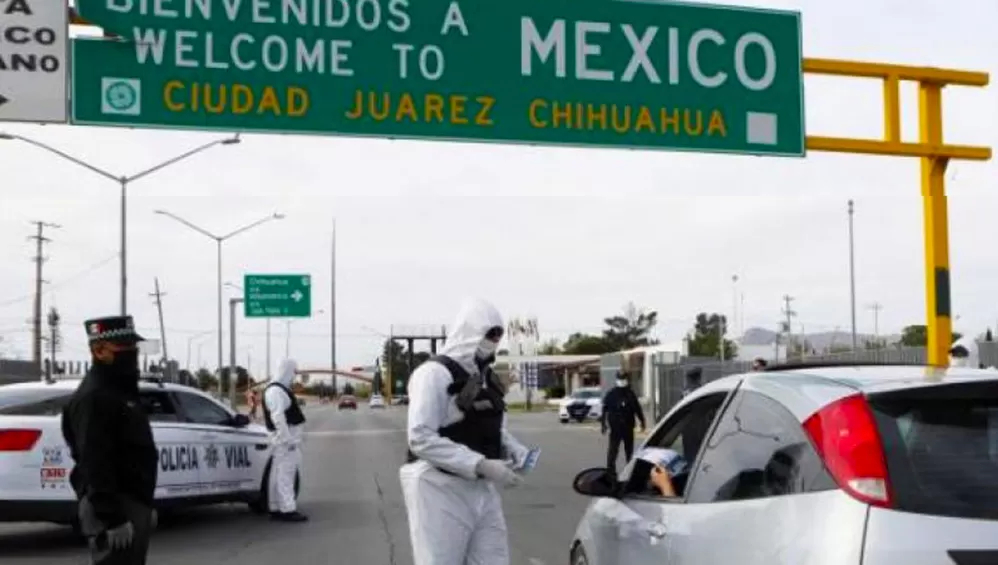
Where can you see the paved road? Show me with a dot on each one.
(351, 491)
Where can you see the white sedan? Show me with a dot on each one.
(377, 401)
(584, 404)
(207, 453)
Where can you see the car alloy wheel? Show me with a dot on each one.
(579, 556)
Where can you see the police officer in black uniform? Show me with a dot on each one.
(110, 439)
(620, 410)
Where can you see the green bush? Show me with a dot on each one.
(555, 392)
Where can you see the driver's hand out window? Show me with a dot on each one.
(662, 481)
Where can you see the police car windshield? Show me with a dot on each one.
(582, 394)
(11, 399)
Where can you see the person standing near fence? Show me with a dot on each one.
(694, 380)
(621, 408)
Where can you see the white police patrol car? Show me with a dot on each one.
(207, 453)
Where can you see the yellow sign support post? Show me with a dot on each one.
(934, 155)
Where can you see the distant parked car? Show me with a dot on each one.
(348, 402)
(377, 401)
(583, 404)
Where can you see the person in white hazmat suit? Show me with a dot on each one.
(285, 420)
(964, 353)
(460, 453)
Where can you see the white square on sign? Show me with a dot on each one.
(121, 96)
(760, 128)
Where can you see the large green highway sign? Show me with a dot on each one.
(277, 296)
(567, 72)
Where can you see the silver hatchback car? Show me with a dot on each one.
(861, 465)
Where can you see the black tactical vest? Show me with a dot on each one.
(293, 415)
(481, 427)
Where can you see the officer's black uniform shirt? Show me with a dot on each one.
(110, 439)
(621, 408)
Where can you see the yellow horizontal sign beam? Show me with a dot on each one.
(898, 72)
(897, 149)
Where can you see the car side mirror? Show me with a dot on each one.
(240, 421)
(597, 481)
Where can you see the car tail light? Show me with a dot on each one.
(18, 440)
(845, 435)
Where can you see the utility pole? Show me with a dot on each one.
(876, 307)
(158, 299)
(789, 313)
(36, 325)
(852, 278)
(332, 311)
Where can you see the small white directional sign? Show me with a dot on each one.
(33, 60)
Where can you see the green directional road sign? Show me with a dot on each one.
(277, 296)
(614, 73)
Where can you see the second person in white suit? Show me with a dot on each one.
(285, 420)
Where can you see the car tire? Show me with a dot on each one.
(261, 504)
(578, 555)
(563, 421)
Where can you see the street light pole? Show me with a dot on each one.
(190, 342)
(852, 279)
(123, 182)
(218, 303)
(233, 373)
(267, 370)
(219, 239)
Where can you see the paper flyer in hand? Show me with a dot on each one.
(672, 461)
(530, 461)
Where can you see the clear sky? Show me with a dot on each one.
(566, 235)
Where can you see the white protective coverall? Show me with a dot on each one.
(453, 519)
(973, 358)
(287, 443)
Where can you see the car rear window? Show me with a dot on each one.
(32, 402)
(941, 445)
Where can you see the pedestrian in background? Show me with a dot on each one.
(111, 442)
(759, 364)
(694, 380)
(621, 410)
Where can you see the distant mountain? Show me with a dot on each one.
(819, 341)
(758, 336)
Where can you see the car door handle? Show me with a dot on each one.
(656, 530)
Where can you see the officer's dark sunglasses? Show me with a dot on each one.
(495, 334)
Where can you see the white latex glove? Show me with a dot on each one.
(499, 472)
(120, 537)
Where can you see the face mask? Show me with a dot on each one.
(486, 352)
(126, 363)
(621, 382)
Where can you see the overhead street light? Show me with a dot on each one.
(219, 239)
(123, 181)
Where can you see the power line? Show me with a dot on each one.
(64, 282)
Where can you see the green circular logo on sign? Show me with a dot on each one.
(121, 96)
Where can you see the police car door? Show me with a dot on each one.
(226, 463)
(178, 476)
